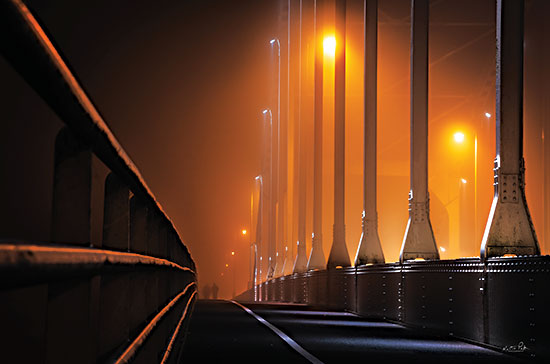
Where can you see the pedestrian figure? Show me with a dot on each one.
(214, 291)
(206, 291)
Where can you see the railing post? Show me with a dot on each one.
(370, 249)
(339, 252)
(116, 215)
(114, 318)
(151, 280)
(73, 306)
(71, 215)
(419, 241)
(115, 294)
(138, 225)
(509, 229)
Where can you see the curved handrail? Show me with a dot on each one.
(29, 50)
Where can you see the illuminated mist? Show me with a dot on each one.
(183, 85)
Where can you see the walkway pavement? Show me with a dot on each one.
(224, 332)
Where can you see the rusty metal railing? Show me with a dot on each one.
(125, 298)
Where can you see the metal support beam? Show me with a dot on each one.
(275, 262)
(370, 249)
(286, 225)
(258, 238)
(509, 228)
(283, 136)
(419, 241)
(317, 257)
(300, 264)
(339, 256)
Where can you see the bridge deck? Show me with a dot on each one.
(221, 330)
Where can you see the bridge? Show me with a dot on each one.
(112, 281)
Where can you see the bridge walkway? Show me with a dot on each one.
(222, 331)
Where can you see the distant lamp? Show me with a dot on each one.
(458, 137)
(487, 115)
(243, 231)
(463, 181)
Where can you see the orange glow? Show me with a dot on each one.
(458, 137)
(232, 253)
(329, 46)
(243, 231)
(227, 265)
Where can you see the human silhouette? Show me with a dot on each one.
(206, 291)
(214, 291)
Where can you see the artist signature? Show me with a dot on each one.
(519, 348)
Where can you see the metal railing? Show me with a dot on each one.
(126, 298)
(500, 302)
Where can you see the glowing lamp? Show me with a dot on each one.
(458, 137)
(329, 46)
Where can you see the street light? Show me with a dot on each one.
(329, 46)
(458, 137)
